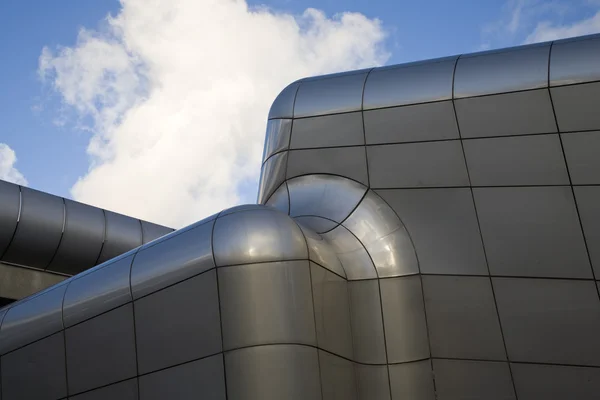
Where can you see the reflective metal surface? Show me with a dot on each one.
(122, 233)
(417, 165)
(414, 123)
(272, 175)
(109, 341)
(327, 196)
(349, 162)
(575, 61)
(351, 253)
(257, 236)
(280, 199)
(40, 227)
(66, 236)
(32, 319)
(202, 379)
(277, 137)
(82, 239)
(384, 237)
(266, 303)
(502, 71)
(457, 263)
(97, 292)
(273, 372)
(283, 105)
(575, 107)
(162, 321)
(328, 131)
(330, 95)
(10, 201)
(172, 260)
(410, 84)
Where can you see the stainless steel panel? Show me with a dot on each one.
(101, 351)
(384, 236)
(277, 137)
(151, 232)
(337, 377)
(462, 316)
(322, 253)
(372, 382)
(417, 165)
(40, 227)
(17, 282)
(367, 323)
(576, 107)
(477, 380)
(421, 122)
(82, 239)
(122, 234)
(443, 227)
(32, 319)
(316, 224)
(332, 312)
(553, 382)
(502, 71)
(178, 324)
(506, 114)
(10, 203)
(349, 162)
(581, 151)
(126, 390)
(327, 196)
(588, 201)
(266, 303)
(409, 84)
(203, 379)
(516, 161)
(257, 236)
(273, 373)
(412, 381)
(328, 131)
(36, 371)
(549, 320)
(243, 208)
(272, 175)
(283, 105)
(532, 231)
(280, 199)
(173, 260)
(351, 253)
(330, 95)
(404, 319)
(97, 292)
(575, 61)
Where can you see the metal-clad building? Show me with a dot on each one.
(424, 231)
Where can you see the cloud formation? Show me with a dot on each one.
(8, 172)
(546, 31)
(175, 95)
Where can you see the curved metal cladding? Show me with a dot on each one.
(51, 233)
(429, 231)
(454, 217)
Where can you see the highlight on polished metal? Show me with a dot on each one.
(423, 231)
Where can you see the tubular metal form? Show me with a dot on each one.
(429, 231)
(50, 233)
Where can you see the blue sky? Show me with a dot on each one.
(51, 150)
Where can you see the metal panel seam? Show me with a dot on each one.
(62, 234)
(16, 225)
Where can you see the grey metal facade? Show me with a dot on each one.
(428, 231)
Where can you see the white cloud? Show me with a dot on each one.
(8, 172)
(546, 31)
(177, 92)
